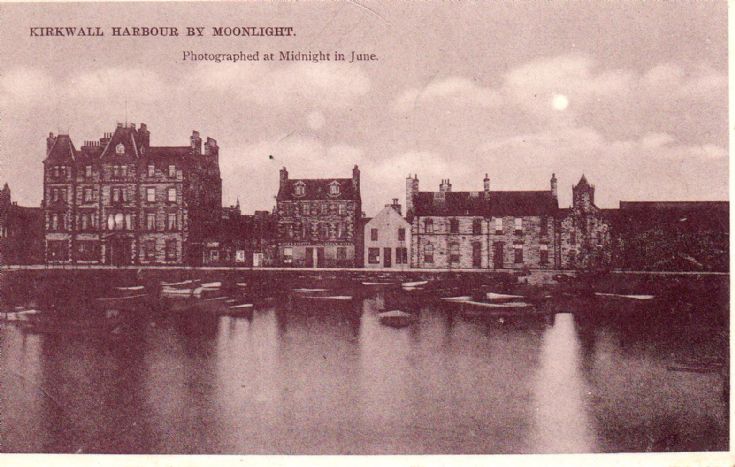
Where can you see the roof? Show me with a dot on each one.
(493, 203)
(62, 150)
(317, 189)
(169, 151)
(674, 205)
(386, 212)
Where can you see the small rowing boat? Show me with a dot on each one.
(396, 318)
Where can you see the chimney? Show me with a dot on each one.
(50, 141)
(144, 135)
(412, 187)
(356, 178)
(486, 184)
(553, 185)
(445, 186)
(210, 147)
(119, 124)
(196, 142)
(396, 206)
(283, 177)
(132, 126)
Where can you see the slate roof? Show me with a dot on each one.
(63, 150)
(673, 205)
(317, 189)
(493, 203)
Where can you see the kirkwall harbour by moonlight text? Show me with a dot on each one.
(162, 31)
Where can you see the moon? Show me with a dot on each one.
(559, 102)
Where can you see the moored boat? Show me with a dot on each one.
(396, 318)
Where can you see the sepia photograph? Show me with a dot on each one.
(365, 228)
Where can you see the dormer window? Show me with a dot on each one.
(299, 189)
(334, 188)
(120, 149)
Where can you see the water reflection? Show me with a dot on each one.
(318, 377)
(561, 418)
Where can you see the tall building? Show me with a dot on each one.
(121, 201)
(319, 221)
(481, 229)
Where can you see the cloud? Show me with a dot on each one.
(25, 85)
(134, 83)
(455, 90)
(298, 85)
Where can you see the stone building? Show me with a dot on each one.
(387, 239)
(583, 235)
(672, 236)
(481, 229)
(121, 201)
(242, 240)
(21, 231)
(319, 221)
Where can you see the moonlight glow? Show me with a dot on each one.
(560, 102)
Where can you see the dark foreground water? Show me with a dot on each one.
(300, 378)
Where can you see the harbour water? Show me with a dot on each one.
(326, 377)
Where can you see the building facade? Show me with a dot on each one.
(242, 240)
(318, 221)
(387, 239)
(121, 201)
(481, 229)
(21, 231)
(584, 235)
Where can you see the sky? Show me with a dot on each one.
(632, 94)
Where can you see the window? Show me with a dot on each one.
(299, 189)
(124, 170)
(170, 250)
(518, 254)
(453, 225)
(544, 255)
(172, 194)
(498, 225)
(288, 255)
(599, 238)
(150, 221)
(374, 235)
(151, 170)
(401, 234)
(58, 250)
(341, 209)
(429, 253)
(518, 225)
(150, 194)
(325, 208)
(88, 171)
(334, 189)
(84, 221)
(341, 232)
(87, 250)
(429, 226)
(54, 221)
(374, 255)
(341, 253)
(323, 231)
(402, 255)
(454, 252)
(87, 197)
(476, 227)
(56, 171)
(572, 257)
(172, 171)
(544, 227)
(171, 221)
(150, 250)
(213, 255)
(573, 237)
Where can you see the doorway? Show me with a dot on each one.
(387, 259)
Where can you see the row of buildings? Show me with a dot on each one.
(120, 201)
